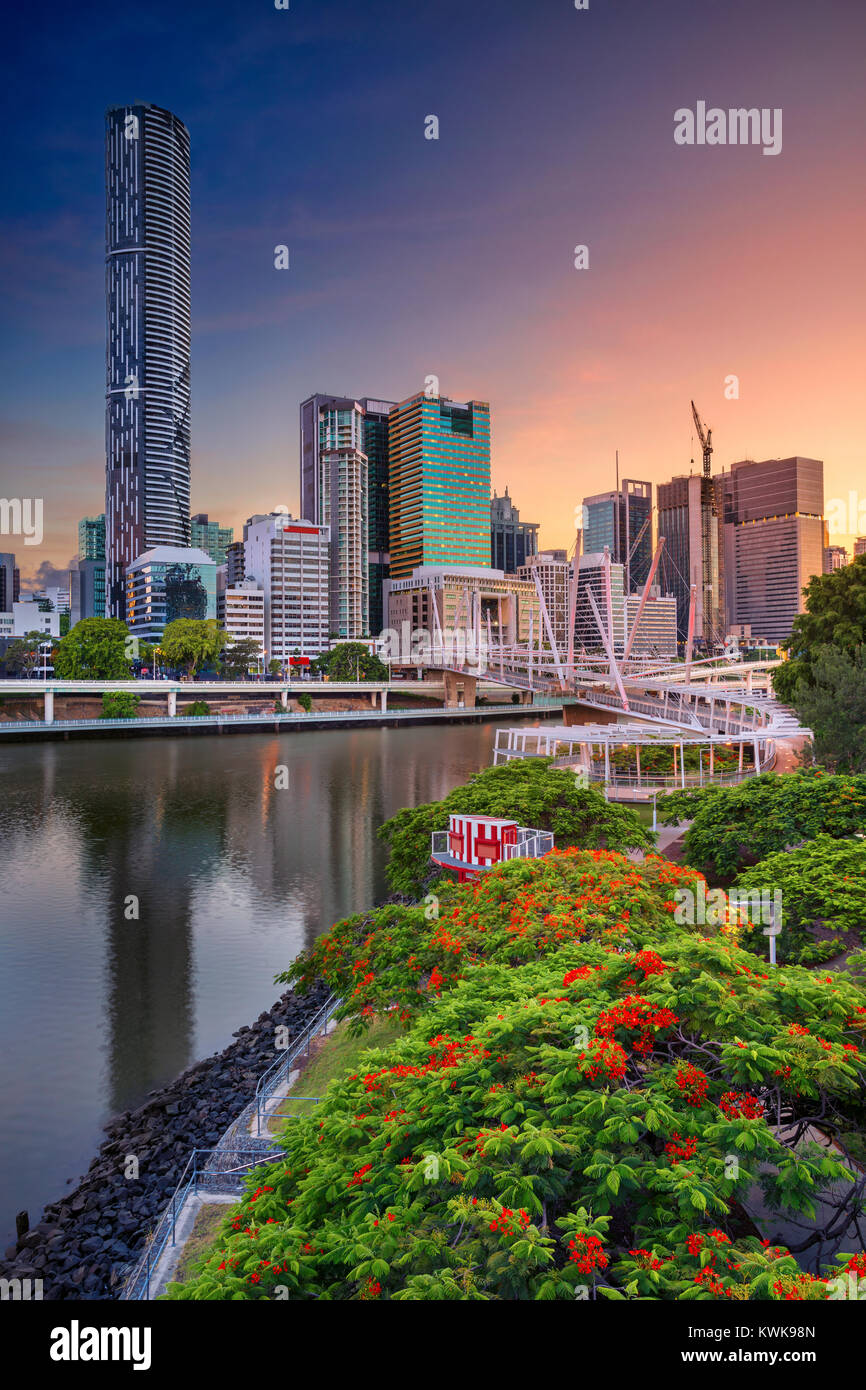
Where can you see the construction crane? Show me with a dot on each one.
(706, 438)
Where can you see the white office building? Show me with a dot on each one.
(289, 561)
(241, 610)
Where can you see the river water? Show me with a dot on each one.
(233, 873)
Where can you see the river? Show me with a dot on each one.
(231, 874)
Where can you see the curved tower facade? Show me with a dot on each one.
(147, 290)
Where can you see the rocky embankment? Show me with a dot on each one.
(85, 1242)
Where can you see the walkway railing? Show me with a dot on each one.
(198, 1176)
(279, 1071)
(228, 1164)
(216, 720)
(533, 847)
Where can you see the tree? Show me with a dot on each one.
(96, 648)
(835, 616)
(832, 703)
(192, 643)
(823, 892)
(531, 792)
(582, 1104)
(275, 666)
(736, 826)
(240, 656)
(305, 700)
(25, 654)
(350, 661)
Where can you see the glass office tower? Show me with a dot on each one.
(440, 483)
(622, 521)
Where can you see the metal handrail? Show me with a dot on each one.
(279, 1069)
(199, 720)
(137, 1286)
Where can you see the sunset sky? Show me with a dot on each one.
(412, 257)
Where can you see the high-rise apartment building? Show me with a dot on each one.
(289, 560)
(622, 521)
(689, 521)
(554, 574)
(512, 541)
(859, 546)
(210, 537)
(147, 283)
(334, 493)
(775, 514)
(440, 483)
(591, 579)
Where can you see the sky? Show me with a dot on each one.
(454, 257)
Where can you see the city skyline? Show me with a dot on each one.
(754, 260)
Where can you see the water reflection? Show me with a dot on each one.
(232, 876)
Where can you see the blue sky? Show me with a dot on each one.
(453, 257)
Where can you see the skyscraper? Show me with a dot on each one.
(91, 538)
(775, 512)
(376, 416)
(334, 494)
(210, 537)
(512, 542)
(440, 483)
(147, 287)
(688, 519)
(621, 520)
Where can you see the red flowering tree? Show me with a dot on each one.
(585, 1101)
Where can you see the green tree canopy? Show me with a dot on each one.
(823, 895)
(24, 655)
(350, 661)
(96, 648)
(192, 643)
(529, 790)
(242, 655)
(736, 826)
(832, 703)
(583, 1103)
(835, 616)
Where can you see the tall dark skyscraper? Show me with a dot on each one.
(147, 290)
(619, 520)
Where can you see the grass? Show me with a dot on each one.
(208, 1220)
(332, 1057)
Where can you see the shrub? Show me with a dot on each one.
(120, 704)
(198, 707)
(305, 700)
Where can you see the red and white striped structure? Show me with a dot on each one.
(473, 843)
